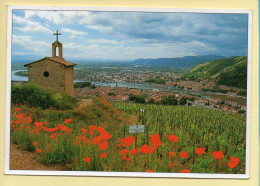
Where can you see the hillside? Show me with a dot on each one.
(229, 71)
(179, 63)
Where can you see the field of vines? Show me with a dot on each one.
(219, 135)
(176, 139)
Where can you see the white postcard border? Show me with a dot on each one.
(124, 174)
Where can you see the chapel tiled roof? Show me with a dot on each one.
(55, 59)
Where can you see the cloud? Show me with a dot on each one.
(30, 46)
(59, 17)
(25, 25)
(73, 32)
(141, 34)
(102, 41)
(126, 52)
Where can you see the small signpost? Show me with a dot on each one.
(136, 129)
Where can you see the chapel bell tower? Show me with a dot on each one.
(57, 46)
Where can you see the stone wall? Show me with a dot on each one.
(48, 74)
(69, 79)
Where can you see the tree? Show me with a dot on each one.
(170, 100)
(137, 98)
(183, 101)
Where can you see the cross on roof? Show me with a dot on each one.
(56, 33)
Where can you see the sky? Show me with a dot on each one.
(129, 35)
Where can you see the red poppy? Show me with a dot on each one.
(101, 130)
(185, 171)
(103, 145)
(234, 159)
(52, 129)
(92, 129)
(173, 138)
(155, 140)
(184, 154)
(62, 127)
(82, 138)
(27, 127)
(146, 149)
(200, 151)
(69, 130)
(124, 151)
(52, 135)
(217, 154)
(128, 159)
(104, 135)
(19, 116)
(18, 121)
(123, 157)
(96, 140)
(87, 141)
(39, 150)
(28, 119)
(171, 153)
(233, 162)
(103, 155)
(84, 130)
(171, 165)
(87, 159)
(150, 170)
(38, 124)
(18, 109)
(68, 120)
(35, 143)
(127, 141)
(133, 151)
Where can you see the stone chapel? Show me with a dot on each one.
(54, 73)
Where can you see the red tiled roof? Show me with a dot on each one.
(55, 59)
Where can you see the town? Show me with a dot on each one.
(126, 81)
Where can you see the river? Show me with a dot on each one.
(149, 86)
(113, 84)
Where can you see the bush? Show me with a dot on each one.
(170, 100)
(242, 93)
(156, 80)
(34, 96)
(137, 98)
(241, 111)
(183, 101)
(82, 84)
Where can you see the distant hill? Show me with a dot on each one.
(229, 71)
(25, 58)
(179, 63)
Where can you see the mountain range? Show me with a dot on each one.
(177, 63)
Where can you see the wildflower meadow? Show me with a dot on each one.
(96, 137)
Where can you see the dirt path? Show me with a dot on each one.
(24, 160)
